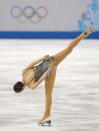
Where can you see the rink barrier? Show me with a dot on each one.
(44, 35)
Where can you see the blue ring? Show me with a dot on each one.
(11, 11)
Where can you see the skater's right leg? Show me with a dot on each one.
(49, 84)
(62, 54)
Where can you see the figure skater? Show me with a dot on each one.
(45, 69)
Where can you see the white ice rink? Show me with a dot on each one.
(75, 95)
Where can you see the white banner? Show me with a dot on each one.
(48, 15)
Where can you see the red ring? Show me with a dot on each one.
(46, 11)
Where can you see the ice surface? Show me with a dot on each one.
(75, 95)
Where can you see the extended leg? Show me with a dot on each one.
(62, 54)
(49, 84)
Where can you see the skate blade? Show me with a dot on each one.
(46, 123)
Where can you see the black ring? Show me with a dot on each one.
(31, 15)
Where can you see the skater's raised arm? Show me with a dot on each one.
(35, 62)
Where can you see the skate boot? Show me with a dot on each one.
(88, 31)
(46, 122)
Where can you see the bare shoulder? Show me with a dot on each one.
(30, 85)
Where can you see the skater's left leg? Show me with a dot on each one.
(49, 84)
(62, 54)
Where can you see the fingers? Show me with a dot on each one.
(46, 57)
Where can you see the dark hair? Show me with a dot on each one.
(18, 87)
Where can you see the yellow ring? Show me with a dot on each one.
(21, 22)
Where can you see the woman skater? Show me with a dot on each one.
(45, 69)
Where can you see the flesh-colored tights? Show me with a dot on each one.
(49, 84)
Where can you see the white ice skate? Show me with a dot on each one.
(89, 30)
(46, 122)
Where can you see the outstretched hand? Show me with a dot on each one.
(47, 57)
(51, 62)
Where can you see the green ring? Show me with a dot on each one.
(35, 22)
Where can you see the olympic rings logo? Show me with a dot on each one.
(29, 13)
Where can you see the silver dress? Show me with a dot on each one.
(41, 68)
